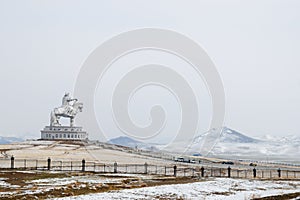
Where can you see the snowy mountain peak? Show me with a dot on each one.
(231, 136)
(226, 135)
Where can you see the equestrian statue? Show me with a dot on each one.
(69, 109)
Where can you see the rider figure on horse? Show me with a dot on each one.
(68, 103)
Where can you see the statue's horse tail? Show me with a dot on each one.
(51, 118)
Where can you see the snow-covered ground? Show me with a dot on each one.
(42, 184)
(220, 188)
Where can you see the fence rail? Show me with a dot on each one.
(167, 170)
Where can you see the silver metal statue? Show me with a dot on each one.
(69, 109)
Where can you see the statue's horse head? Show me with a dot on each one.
(78, 106)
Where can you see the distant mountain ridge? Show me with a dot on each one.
(8, 140)
(129, 142)
(229, 143)
(226, 135)
(125, 141)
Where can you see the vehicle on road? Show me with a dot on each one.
(193, 161)
(180, 159)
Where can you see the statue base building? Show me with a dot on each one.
(64, 133)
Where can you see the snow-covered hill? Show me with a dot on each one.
(232, 144)
(226, 135)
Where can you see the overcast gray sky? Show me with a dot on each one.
(254, 44)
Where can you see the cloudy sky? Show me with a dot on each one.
(254, 44)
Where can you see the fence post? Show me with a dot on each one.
(202, 171)
(165, 170)
(12, 162)
(36, 164)
(49, 163)
(175, 170)
(24, 163)
(254, 173)
(83, 165)
(115, 167)
(229, 171)
(146, 168)
(279, 172)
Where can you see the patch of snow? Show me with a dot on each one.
(54, 181)
(220, 188)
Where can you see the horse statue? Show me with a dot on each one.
(69, 109)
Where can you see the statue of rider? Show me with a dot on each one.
(68, 102)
